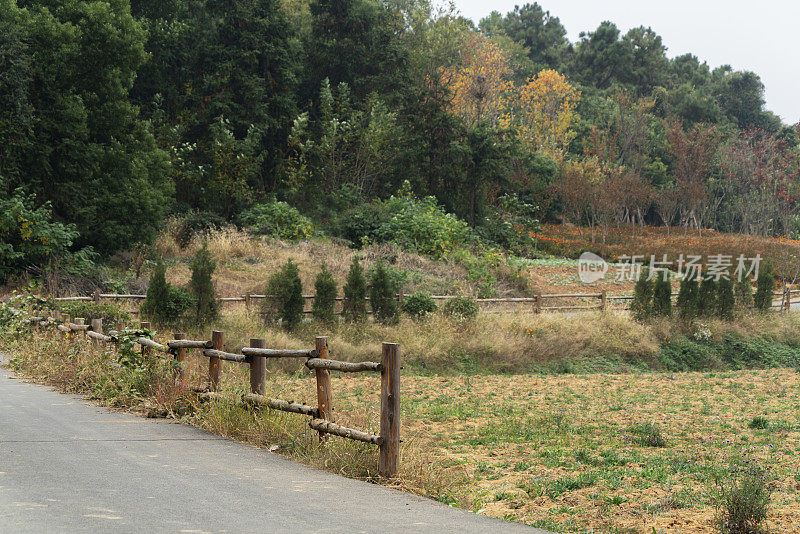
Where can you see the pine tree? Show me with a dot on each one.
(286, 291)
(764, 288)
(355, 293)
(381, 295)
(687, 298)
(725, 298)
(662, 295)
(642, 304)
(202, 286)
(325, 296)
(707, 298)
(156, 302)
(744, 294)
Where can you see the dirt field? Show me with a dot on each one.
(567, 453)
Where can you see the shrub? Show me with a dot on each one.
(461, 308)
(202, 286)
(355, 293)
(360, 224)
(662, 295)
(112, 315)
(682, 354)
(382, 294)
(155, 304)
(286, 295)
(765, 284)
(744, 506)
(277, 219)
(419, 305)
(324, 296)
(707, 298)
(725, 298)
(744, 294)
(649, 435)
(687, 298)
(197, 222)
(642, 304)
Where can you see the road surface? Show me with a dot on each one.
(69, 466)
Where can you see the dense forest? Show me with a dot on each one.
(360, 118)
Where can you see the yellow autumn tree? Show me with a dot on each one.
(541, 113)
(478, 86)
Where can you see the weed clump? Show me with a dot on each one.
(759, 423)
(649, 435)
(744, 506)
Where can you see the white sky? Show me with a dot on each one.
(761, 35)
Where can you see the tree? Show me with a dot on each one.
(324, 296)
(286, 293)
(85, 148)
(601, 58)
(202, 286)
(688, 296)
(662, 295)
(707, 297)
(156, 301)
(542, 112)
(479, 84)
(765, 285)
(744, 293)
(642, 303)
(382, 295)
(725, 298)
(355, 293)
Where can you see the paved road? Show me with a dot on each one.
(69, 466)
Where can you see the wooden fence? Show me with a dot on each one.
(255, 356)
(537, 304)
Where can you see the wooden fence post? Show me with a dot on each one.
(215, 364)
(324, 408)
(247, 303)
(80, 321)
(96, 296)
(180, 357)
(390, 411)
(144, 325)
(97, 326)
(537, 304)
(258, 368)
(603, 300)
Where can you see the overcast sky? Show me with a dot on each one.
(761, 35)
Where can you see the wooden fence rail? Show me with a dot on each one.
(783, 302)
(317, 360)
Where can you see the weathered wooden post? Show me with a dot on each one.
(537, 304)
(258, 368)
(215, 364)
(96, 296)
(389, 460)
(324, 408)
(603, 300)
(144, 325)
(79, 321)
(97, 326)
(247, 303)
(180, 357)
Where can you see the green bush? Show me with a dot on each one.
(324, 296)
(642, 303)
(197, 222)
(286, 295)
(687, 298)
(662, 295)
(682, 354)
(112, 315)
(360, 224)
(419, 304)
(725, 298)
(765, 284)
(707, 298)
(421, 225)
(382, 294)
(277, 219)
(202, 286)
(461, 308)
(355, 293)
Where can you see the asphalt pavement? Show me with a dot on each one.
(68, 466)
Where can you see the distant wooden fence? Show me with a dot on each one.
(546, 302)
(256, 355)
